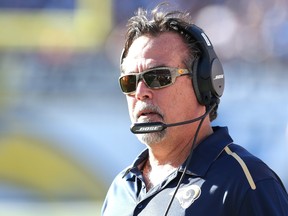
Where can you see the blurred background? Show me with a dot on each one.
(64, 124)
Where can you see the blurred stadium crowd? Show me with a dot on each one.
(253, 30)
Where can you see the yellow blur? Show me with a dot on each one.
(85, 27)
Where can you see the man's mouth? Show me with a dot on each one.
(149, 116)
(145, 112)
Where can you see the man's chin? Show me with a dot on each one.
(151, 138)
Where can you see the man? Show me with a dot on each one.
(170, 75)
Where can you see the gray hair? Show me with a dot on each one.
(157, 22)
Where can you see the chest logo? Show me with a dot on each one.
(187, 195)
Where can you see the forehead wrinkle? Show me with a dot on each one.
(140, 49)
(143, 64)
(147, 52)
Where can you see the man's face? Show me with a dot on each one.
(171, 104)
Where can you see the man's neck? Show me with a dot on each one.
(166, 157)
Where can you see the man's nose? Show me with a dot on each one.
(143, 91)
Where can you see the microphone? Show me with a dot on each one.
(151, 127)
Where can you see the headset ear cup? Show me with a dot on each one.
(217, 78)
(195, 80)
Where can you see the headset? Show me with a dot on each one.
(208, 75)
(207, 70)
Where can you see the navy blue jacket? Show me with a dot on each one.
(222, 179)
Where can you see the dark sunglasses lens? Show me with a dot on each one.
(128, 83)
(158, 78)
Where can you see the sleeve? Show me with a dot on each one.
(269, 198)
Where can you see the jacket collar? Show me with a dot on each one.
(208, 151)
(203, 155)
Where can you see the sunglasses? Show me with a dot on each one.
(155, 78)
